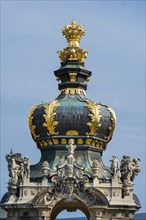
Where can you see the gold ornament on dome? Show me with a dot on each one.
(72, 54)
(95, 116)
(30, 122)
(73, 33)
(112, 127)
(80, 141)
(63, 141)
(72, 133)
(73, 77)
(73, 91)
(58, 78)
(55, 141)
(49, 117)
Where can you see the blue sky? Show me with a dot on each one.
(115, 37)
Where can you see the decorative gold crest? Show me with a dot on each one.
(30, 119)
(95, 116)
(49, 117)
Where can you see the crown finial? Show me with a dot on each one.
(73, 33)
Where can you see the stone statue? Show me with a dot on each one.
(70, 158)
(129, 169)
(45, 168)
(26, 167)
(136, 167)
(13, 167)
(9, 161)
(46, 198)
(15, 171)
(71, 147)
(17, 167)
(69, 190)
(115, 167)
(70, 165)
(66, 169)
(21, 171)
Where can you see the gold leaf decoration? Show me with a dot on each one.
(112, 127)
(73, 77)
(73, 91)
(30, 122)
(49, 117)
(72, 54)
(95, 116)
(72, 133)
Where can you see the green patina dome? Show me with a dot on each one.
(72, 114)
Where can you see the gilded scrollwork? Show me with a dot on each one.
(49, 115)
(30, 122)
(95, 116)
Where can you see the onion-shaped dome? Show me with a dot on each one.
(72, 114)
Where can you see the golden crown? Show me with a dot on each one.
(73, 33)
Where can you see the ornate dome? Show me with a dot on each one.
(72, 114)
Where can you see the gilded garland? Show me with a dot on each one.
(49, 117)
